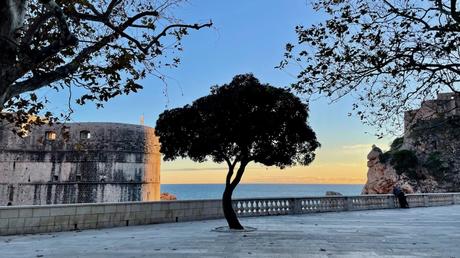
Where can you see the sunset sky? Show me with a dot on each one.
(248, 37)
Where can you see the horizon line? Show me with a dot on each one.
(258, 183)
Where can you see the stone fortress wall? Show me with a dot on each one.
(445, 105)
(79, 163)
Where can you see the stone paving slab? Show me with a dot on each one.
(417, 232)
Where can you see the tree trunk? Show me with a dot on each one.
(11, 19)
(229, 213)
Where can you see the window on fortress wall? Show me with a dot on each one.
(84, 135)
(50, 135)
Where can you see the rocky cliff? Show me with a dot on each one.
(381, 177)
(427, 158)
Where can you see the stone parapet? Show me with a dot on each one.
(53, 218)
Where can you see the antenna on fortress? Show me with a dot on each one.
(142, 119)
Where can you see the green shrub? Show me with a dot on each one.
(397, 143)
(435, 165)
(394, 146)
(384, 157)
(404, 161)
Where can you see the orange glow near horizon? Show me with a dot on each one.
(297, 175)
(339, 165)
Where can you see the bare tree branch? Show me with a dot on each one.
(107, 46)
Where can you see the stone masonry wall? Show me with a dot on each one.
(79, 163)
(445, 105)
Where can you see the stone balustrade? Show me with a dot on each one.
(301, 205)
(52, 218)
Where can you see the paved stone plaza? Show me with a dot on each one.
(429, 232)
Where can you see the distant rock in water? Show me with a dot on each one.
(168, 197)
(427, 157)
(332, 193)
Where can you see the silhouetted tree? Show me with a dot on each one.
(103, 46)
(238, 123)
(389, 54)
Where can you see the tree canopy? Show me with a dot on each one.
(242, 120)
(104, 47)
(238, 123)
(388, 54)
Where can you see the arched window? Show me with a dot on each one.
(85, 134)
(50, 135)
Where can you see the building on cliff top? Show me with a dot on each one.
(432, 136)
(446, 105)
(79, 163)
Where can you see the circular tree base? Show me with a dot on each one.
(226, 229)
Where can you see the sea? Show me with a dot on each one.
(214, 191)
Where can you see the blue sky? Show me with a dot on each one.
(247, 37)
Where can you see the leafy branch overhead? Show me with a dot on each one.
(388, 54)
(102, 46)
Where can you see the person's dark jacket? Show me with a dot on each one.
(397, 191)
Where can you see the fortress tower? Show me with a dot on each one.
(79, 163)
(446, 105)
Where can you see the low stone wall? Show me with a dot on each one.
(52, 218)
